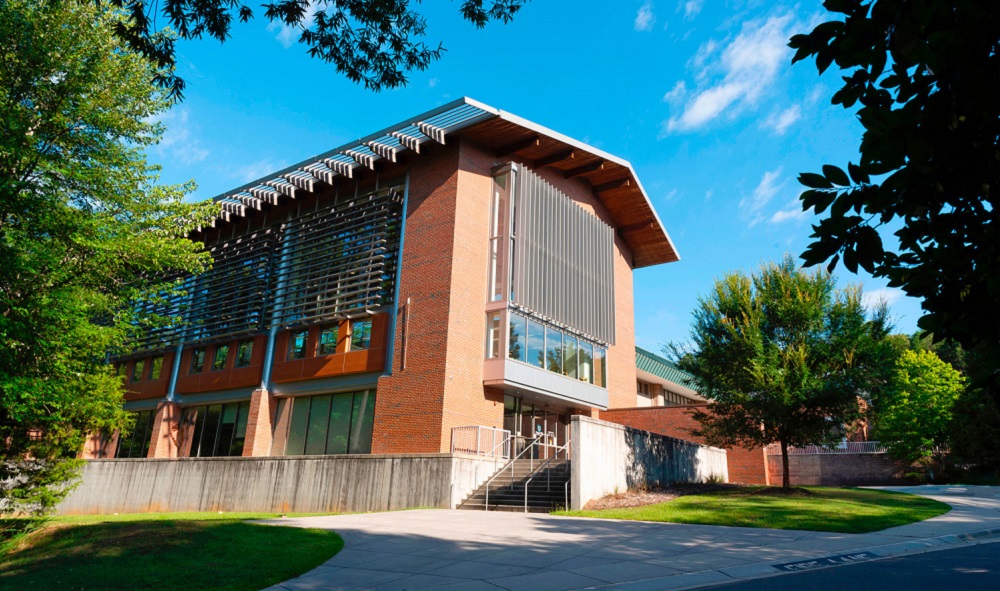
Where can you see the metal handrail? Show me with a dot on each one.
(548, 483)
(511, 464)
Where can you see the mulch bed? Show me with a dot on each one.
(652, 496)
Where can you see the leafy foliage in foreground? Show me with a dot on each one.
(371, 42)
(842, 510)
(783, 356)
(85, 232)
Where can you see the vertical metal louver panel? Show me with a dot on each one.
(168, 308)
(339, 259)
(232, 298)
(563, 266)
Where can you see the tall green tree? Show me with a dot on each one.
(783, 356)
(85, 231)
(916, 412)
(372, 42)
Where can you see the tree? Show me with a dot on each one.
(783, 357)
(85, 232)
(916, 414)
(948, 350)
(927, 77)
(372, 42)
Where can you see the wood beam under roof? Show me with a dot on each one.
(515, 147)
(554, 158)
(615, 184)
(590, 167)
(636, 226)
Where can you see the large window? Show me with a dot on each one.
(218, 429)
(499, 223)
(243, 353)
(328, 340)
(297, 344)
(493, 335)
(219, 361)
(331, 424)
(361, 334)
(547, 347)
(135, 443)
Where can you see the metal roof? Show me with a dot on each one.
(613, 179)
(661, 368)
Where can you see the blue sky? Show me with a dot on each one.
(699, 95)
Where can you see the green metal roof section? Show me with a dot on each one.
(660, 367)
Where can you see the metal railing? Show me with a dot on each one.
(510, 465)
(548, 475)
(846, 447)
(482, 441)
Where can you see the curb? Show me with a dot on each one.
(735, 574)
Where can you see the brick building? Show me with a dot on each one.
(464, 271)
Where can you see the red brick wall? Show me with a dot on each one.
(838, 469)
(747, 466)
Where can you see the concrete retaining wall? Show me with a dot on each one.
(608, 458)
(837, 469)
(304, 484)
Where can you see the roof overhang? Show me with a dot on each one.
(669, 385)
(613, 180)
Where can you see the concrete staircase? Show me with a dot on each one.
(546, 492)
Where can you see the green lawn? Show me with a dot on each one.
(161, 551)
(844, 510)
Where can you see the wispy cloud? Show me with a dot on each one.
(179, 141)
(692, 8)
(289, 35)
(432, 83)
(255, 170)
(676, 94)
(792, 213)
(769, 185)
(739, 76)
(645, 19)
(889, 295)
(779, 121)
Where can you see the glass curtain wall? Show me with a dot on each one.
(136, 443)
(217, 429)
(532, 342)
(331, 424)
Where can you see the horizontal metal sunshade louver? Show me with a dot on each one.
(563, 266)
(340, 259)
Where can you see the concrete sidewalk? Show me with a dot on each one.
(472, 551)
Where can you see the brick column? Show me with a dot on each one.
(166, 429)
(259, 424)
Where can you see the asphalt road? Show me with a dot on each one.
(971, 568)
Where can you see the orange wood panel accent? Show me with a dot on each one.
(149, 388)
(230, 377)
(342, 362)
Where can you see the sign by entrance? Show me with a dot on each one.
(825, 561)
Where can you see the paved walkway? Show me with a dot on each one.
(437, 550)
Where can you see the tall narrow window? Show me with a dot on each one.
(586, 362)
(493, 336)
(140, 364)
(517, 346)
(198, 360)
(499, 217)
(219, 360)
(243, 353)
(156, 367)
(135, 443)
(361, 334)
(297, 344)
(536, 344)
(328, 340)
(332, 424)
(553, 349)
(570, 356)
(600, 370)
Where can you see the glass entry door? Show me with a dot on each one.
(528, 423)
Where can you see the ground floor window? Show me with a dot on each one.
(216, 429)
(136, 443)
(331, 424)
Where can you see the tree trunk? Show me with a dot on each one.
(785, 480)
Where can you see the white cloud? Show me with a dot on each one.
(178, 141)
(889, 295)
(692, 8)
(645, 19)
(676, 94)
(289, 35)
(793, 212)
(745, 71)
(765, 191)
(255, 170)
(780, 121)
